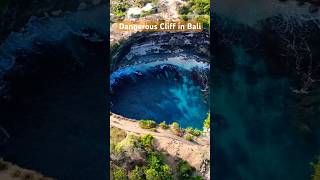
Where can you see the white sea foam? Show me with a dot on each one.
(179, 61)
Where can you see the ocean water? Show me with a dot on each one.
(56, 118)
(162, 93)
(256, 132)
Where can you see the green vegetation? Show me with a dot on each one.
(200, 7)
(205, 20)
(130, 141)
(197, 8)
(206, 122)
(175, 129)
(316, 168)
(119, 8)
(119, 174)
(156, 168)
(188, 137)
(184, 170)
(163, 125)
(136, 174)
(116, 135)
(153, 167)
(147, 141)
(147, 124)
(193, 131)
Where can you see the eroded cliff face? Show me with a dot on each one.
(142, 47)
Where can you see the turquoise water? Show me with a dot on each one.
(166, 95)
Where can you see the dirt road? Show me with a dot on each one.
(195, 153)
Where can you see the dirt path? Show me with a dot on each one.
(133, 126)
(195, 153)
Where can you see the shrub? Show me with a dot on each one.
(154, 160)
(206, 122)
(119, 174)
(166, 172)
(147, 124)
(175, 129)
(163, 125)
(152, 174)
(193, 131)
(147, 141)
(188, 137)
(184, 170)
(136, 174)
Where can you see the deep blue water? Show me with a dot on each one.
(165, 95)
